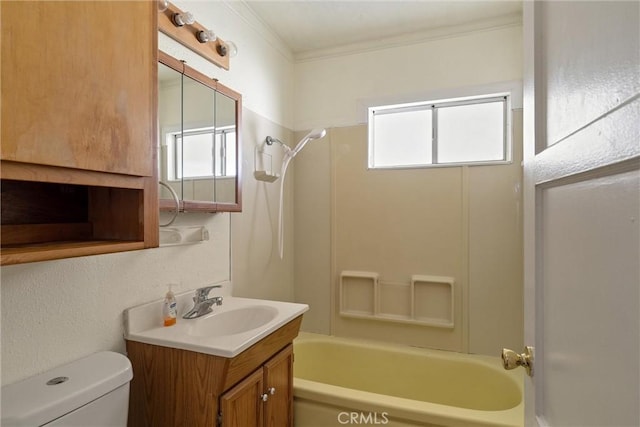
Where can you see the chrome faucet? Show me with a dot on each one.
(202, 303)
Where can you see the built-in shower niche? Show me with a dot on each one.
(426, 300)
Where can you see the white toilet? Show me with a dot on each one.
(89, 392)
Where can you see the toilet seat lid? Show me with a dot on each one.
(54, 393)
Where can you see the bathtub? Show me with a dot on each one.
(340, 381)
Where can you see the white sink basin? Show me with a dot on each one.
(232, 322)
(230, 329)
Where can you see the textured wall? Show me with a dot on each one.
(57, 311)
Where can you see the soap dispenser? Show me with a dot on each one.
(169, 308)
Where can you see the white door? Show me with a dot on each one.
(582, 211)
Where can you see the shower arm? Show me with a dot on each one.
(269, 140)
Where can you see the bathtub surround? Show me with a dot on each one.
(461, 222)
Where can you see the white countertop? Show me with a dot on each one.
(143, 323)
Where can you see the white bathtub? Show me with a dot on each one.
(340, 381)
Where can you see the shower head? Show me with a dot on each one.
(314, 134)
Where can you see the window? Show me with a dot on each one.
(440, 133)
(201, 153)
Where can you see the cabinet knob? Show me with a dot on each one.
(264, 397)
(271, 390)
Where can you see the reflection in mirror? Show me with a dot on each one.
(199, 139)
(194, 158)
(169, 125)
(225, 153)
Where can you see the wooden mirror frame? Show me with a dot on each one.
(204, 206)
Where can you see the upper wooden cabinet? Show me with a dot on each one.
(79, 84)
(78, 136)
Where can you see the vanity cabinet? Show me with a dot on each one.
(273, 386)
(78, 137)
(172, 387)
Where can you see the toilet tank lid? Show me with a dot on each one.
(33, 402)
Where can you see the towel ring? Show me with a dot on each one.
(177, 200)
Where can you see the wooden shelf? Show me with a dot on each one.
(67, 249)
(46, 220)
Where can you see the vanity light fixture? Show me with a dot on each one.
(183, 28)
(184, 18)
(206, 36)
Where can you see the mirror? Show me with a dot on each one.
(199, 140)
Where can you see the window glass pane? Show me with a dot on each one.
(218, 155)
(225, 154)
(178, 159)
(230, 141)
(471, 133)
(401, 139)
(172, 140)
(196, 155)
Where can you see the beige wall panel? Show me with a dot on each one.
(397, 223)
(312, 239)
(495, 253)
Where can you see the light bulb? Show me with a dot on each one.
(206, 36)
(228, 48)
(185, 18)
(163, 5)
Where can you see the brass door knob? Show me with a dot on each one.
(511, 359)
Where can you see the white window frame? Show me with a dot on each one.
(172, 147)
(434, 106)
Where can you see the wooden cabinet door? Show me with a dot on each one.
(242, 405)
(79, 84)
(278, 383)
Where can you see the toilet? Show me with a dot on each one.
(92, 391)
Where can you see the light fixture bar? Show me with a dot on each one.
(187, 34)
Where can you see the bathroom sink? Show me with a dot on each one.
(227, 331)
(232, 322)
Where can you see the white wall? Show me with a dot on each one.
(262, 72)
(57, 311)
(332, 91)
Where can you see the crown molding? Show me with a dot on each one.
(241, 9)
(501, 22)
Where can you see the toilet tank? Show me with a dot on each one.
(92, 391)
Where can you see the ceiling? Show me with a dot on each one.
(311, 25)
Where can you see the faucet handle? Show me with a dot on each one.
(203, 293)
